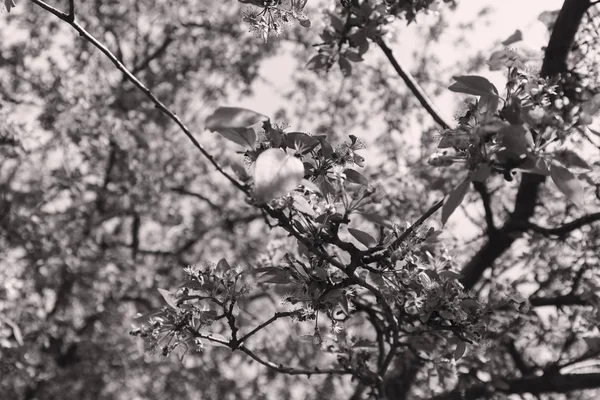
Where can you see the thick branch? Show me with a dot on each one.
(555, 62)
(487, 206)
(558, 301)
(563, 229)
(555, 383)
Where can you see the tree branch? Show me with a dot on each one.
(552, 383)
(558, 301)
(133, 79)
(413, 86)
(481, 188)
(555, 62)
(563, 229)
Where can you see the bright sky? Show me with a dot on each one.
(505, 17)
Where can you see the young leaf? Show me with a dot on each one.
(355, 177)
(275, 174)
(454, 200)
(377, 219)
(362, 237)
(9, 4)
(567, 183)
(345, 66)
(474, 85)
(570, 159)
(235, 124)
(461, 347)
(169, 299)
(223, 265)
(515, 37)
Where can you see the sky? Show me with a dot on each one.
(504, 18)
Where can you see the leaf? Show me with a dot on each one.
(567, 183)
(461, 347)
(570, 159)
(345, 66)
(143, 318)
(353, 56)
(355, 177)
(482, 172)
(548, 18)
(534, 165)
(305, 22)
(235, 124)
(454, 199)
(223, 265)
(275, 174)
(310, 185)
(514, 38)
(377, 219)
(9, 4)
(317, 62)
(362, 237)
(294, 140)
(169, 298)
(473, 85)
(344, 304)
(275, 276)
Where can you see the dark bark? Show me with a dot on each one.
(500, 240)
(555, 62)
(553, 383)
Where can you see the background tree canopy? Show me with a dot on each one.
(257, 199)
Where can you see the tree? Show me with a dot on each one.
(104, 201)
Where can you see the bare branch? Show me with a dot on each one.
(558, 301)
(133, 79)
(266, 323)
(413, 86)
(548, 383)
(481, 188)
(563, 229)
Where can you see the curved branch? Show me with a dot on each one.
(413, 86)
(563, 229)
(555, 62)
(135, 81)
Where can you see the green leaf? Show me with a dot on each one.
(534, 165)
(169, 298)
(514, 38)
(294, 140)
(355, 177)
(235, 124)
(567, 183)
(275, 174)
(362, 237)
(570, 159)
(275, 276)
(482, 172)
(454, 199)
(9, 4)
(223, 265)
(461, 347)
(304, 22)
(473, 85)
(345, 66)
(377, 219)
(353, 56)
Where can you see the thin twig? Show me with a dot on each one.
(133, 79)
(413, 86)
